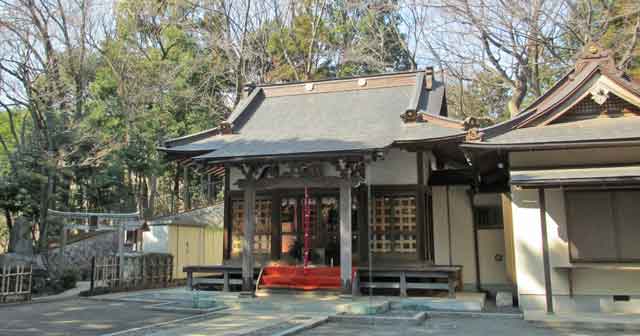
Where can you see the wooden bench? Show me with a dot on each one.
(446, 278)
(225, 275)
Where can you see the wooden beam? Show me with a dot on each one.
(249, 230)
(294, 182)
(345, 236)
(545, 251)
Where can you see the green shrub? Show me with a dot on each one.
(69, 278)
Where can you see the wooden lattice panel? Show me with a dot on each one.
(394, 224)
(262, 236)
(329, 209)
(613, 107)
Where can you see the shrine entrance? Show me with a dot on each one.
(279, 235)
(324, 228)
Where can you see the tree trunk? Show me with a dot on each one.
(9, 221)
(519, 92)
(47, 191)
(153, 186)
(176, 191)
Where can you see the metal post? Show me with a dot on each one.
(93, 275)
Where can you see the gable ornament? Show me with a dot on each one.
(474, 134)
(225, 128)
(599, 93)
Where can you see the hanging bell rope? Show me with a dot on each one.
(307, 226)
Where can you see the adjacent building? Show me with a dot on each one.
(573, 159)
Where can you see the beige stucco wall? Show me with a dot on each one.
(492, 257)
(457, 247)
(194, 245)
(491, 247)
(528, 242)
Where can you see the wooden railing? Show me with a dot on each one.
(15, 283)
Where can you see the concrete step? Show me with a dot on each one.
(464, 302)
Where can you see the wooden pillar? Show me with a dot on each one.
(276, 226)
(345, 235)
(421, 223)
(363, 223)
(226, 252)
(187, 194)
(249, 203)
(545, 251)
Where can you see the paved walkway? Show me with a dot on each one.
(77, 317)
(455, 327)
(137, 314)
(71, 293)
(586, 320)
(264, 315)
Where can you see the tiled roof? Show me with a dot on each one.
(344, 115)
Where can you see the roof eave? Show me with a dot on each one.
(595, 181)
(552, 145)
(291, 156)
(451, 138)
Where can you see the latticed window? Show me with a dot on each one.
(262, 237)
(394, 225)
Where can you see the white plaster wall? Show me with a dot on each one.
(398, 167)
(234, 175)
(592, 289)
(156, 240)
(461, 251)
(486, 199)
